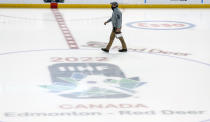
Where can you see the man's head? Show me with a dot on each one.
(114, 5)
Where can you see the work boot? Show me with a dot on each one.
(105, 50)
(123, 50)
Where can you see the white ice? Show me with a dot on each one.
(174, 64)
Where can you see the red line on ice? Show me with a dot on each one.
(64, 28)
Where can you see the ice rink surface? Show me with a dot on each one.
(52, 68)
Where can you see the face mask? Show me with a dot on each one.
(113, 8)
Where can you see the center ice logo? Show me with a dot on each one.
(91, 80)
(160, 25)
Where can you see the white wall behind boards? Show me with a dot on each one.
(74, 1)
(206, 1)
(174, 1)
(108, 1)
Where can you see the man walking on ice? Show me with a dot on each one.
(117, 25)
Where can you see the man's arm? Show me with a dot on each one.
(118, 17)
(109, 20)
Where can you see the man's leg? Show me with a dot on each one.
(112, 36)
(123, 42)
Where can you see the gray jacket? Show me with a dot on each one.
(116, 18)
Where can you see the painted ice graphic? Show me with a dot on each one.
(91, 80)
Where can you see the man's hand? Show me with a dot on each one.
(105, 23)
(118, 30)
